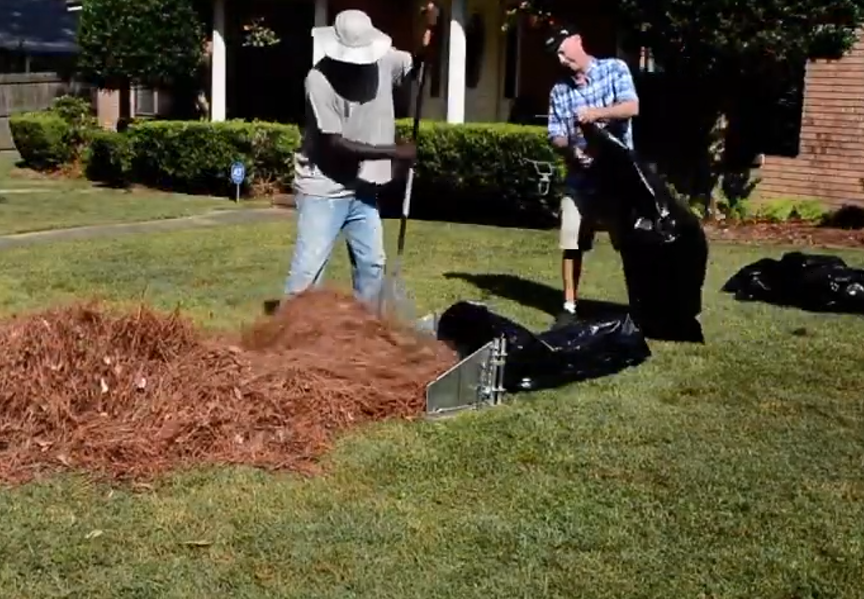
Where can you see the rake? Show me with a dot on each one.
(395, 299)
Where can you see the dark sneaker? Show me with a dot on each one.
(564, 319)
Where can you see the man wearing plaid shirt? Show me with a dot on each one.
(594, 90)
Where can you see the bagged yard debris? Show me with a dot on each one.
(584, 350)
(662, 245)
(131, 395)
(815, 282)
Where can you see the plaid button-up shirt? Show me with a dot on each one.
(607, 81)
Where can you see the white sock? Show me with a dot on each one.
(570, 307)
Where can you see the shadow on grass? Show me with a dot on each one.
(536, 295)
(477, 211)
(503, 220)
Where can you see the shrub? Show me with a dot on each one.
(484, 168)
(109, 158)
(460, 167)
(76, 111)
(785, 209)
(42, 139)
(78, 114)
(196, 157)
(55, 137)
(848, 216)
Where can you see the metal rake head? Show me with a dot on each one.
(397, 302)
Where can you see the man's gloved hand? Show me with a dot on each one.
(581, 157)
(588, 114)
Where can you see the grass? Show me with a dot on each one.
(31, 202)
(728, 470)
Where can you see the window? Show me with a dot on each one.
(639, 58)
(150, 102)
(646, 63)
(145, 101)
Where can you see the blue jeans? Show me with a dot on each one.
(320, 220)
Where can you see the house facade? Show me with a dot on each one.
(481, 74)
(37, 49)
(829, 162)
(478, 75)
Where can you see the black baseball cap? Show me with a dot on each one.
(557, 36)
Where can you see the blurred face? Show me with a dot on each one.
(572, 55)
(358, 83)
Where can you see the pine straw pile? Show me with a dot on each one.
(132, 395)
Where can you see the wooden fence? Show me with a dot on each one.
(24, 92)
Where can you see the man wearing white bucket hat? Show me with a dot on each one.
(349, 149)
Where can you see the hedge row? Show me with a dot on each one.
(475, 163)
(42, 139)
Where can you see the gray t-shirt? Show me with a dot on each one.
(365, 113)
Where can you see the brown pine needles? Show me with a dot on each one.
(133, 395)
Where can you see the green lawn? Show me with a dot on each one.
(727, 470)
(31, 202)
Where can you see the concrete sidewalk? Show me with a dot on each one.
(211, 219)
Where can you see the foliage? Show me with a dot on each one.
(109, 159)
(50, 139)
(786, 209)
(78, 113)
(725, 36)
(42, 139)
(462, 168)
(466, 171)
(469, 165)
(848, 216)
(196, 156)
(484, 165)
(259, 35)
(735, 58)
(147, 42)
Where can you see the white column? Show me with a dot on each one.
(321, 15)
(456, 64)
(219, 64)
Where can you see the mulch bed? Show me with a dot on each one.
(131, 395)
(796, 233)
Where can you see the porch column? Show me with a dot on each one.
(218, 64)
(321, 10)
(456, 64)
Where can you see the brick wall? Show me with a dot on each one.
(830, 166)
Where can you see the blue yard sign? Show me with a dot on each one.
(238, 175)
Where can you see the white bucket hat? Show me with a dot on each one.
(353, 39)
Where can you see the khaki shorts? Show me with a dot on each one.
(578, 228)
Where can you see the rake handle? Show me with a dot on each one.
(409, 184)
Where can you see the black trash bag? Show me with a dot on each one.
(663, 247)
(814, 282)
(584, 350)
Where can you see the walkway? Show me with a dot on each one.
(211, 219)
